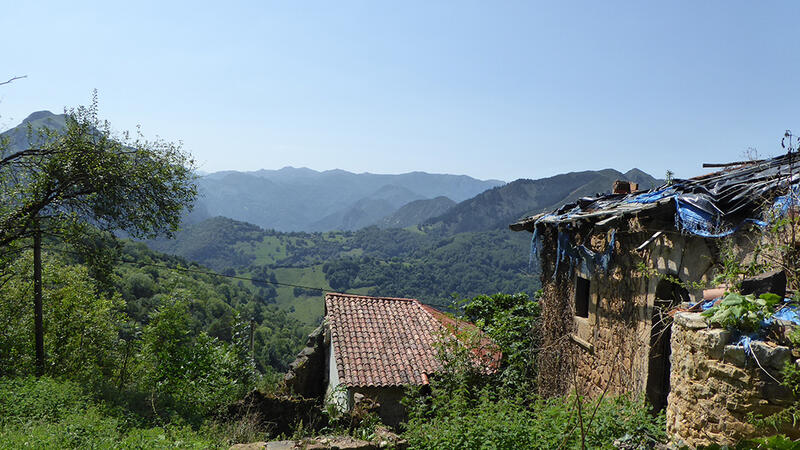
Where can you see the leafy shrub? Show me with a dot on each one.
(191, 375)
(50, 413)
(80, 333)
(512, 323)
(494, 420)
(44, 399)
(743, 312)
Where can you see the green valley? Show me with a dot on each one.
(407, 262)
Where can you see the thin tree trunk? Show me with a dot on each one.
(37, 298)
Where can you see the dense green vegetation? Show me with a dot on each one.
(140, 284)
(156, 347)
(467, 408)
(130, 348)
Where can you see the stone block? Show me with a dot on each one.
(777, 394)
(714, 341)
(780, 331)
(771, 356)
(735, 354)
(690, 320)
(774, 282)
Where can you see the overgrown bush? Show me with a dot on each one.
(191, 375)
(512, 322)
(498, 419)
(80, 324)
(464, 407)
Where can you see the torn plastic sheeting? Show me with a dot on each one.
(708, 304)
(705, 305)
(588, 259)
(565, 250)
(535, 249)
(744, 341)
(694, 219)
(715, 205)
(652, 197)
(697, 220)
(738, 192)
(789, 314)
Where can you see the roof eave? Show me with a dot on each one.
(607, 218)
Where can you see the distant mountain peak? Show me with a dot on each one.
(635, 172)
(38, 115)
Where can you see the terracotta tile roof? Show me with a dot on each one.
(381, 341)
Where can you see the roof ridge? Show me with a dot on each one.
(341, 294)
(425, 308)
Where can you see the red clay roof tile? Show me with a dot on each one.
(383, 341)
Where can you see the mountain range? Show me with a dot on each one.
(415, 234)
(302, 199)
(499, 206)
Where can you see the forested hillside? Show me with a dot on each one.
(417, 212)
(502, 205)
(141, 283)
(394, 262)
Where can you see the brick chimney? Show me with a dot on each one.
(625, 187)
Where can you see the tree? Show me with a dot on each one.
(86, 174)
(67, 181)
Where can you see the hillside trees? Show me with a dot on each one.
(81, 336)
(82, 177)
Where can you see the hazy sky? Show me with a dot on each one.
(490, 89)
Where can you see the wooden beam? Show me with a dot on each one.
(730, 164)
(586, 345)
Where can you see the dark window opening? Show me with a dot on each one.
(581, 297)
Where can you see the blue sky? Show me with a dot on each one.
(490, 89)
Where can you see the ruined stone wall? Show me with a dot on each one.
(308, 374)
(610, 350)
(715, 385)
(616, 328)
(390, 410)
(607, 350)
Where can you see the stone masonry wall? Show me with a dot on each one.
(715, 385)
(609, 351)
(307, 375)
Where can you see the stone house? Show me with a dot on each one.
(615, 267)
(378, 347)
